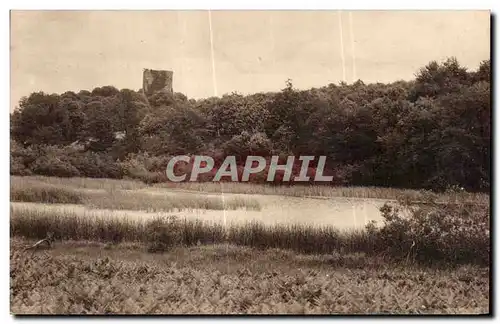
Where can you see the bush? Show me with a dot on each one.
(164, 233)
(54, 166)
(95, 165)
(21, 158)
(17, 167)
(149, 169)
(430, 231)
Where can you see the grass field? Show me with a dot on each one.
(433, 260)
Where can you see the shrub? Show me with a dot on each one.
(429, 231)
(17, 167)
(149, 169)
(95, 165)
(164, 233)
(53, 166)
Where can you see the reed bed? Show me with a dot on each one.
(170, 230)
(454, 234)
(249, 188)
(121, 200)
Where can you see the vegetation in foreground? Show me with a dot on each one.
(84, 278)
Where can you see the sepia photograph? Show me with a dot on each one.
(242, 162)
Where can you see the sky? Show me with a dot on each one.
(244, 51)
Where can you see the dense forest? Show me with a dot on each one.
(431, 132)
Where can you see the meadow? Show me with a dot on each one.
(429, 253)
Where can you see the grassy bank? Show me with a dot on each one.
(79, 183)
(83, 278)
(248, 188)
(35, 191)
(161, 233)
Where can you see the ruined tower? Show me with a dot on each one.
(156, 80)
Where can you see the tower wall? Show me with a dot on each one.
(156, 80)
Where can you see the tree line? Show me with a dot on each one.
(430, 132)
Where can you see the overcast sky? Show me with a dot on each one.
(253, 51)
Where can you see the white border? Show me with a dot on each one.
(185, 4)
(256, 4)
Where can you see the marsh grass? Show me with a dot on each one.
(315, 191)
(166, 203)
(450, 227)
(184, 232)
(45, 193)
(78, 183)
(300, 238)
(33, 191)
(294, 191)
(249, 188)
(430, 234)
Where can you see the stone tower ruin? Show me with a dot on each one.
(156, 80)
